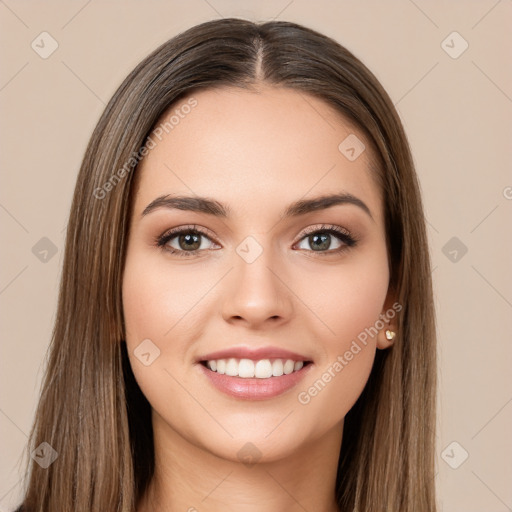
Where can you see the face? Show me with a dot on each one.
(287, 294)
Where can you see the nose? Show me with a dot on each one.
(258, 293)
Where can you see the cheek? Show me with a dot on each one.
(157, 300)
(348, 301)
(155, 311)
(164, 304)
(152, 308)
(347, 298)
(142, 303)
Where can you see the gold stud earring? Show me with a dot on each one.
(390, 334)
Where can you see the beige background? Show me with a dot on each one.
(456, 111)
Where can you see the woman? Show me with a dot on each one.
(245, 318)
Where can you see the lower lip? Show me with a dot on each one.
(255, 389)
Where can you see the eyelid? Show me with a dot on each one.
(324, 227)
(188, 227)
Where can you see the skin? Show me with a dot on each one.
(256, 152)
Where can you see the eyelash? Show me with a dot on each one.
(340, 233)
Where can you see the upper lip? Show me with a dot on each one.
(255, 354)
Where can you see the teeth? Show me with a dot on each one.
(245, 368)
(232, 367)
(221, 366)
(289, 366)
(262, 369)
(277, 368)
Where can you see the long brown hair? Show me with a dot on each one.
(91, 410)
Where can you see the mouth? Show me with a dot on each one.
(254, 379)
(245, 368)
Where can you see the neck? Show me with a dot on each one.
(190, 478)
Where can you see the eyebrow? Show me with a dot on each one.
(213, 207)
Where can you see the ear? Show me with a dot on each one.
(389, 319)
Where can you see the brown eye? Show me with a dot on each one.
(189, 241)
(186, 241)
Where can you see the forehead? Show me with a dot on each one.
(255, 148)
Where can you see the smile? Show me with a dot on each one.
(254, 379)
